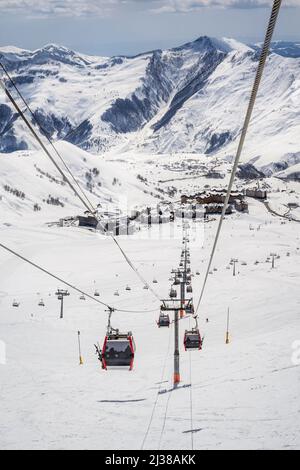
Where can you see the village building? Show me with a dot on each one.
(257, 193)
(211, 209)
(212, 197)
(241, 205)
(87, 221)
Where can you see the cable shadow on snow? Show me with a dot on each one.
(122, 401)
(192, 431)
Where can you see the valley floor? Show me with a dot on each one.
(244, 395)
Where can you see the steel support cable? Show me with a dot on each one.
(44, 132)
(135, 269)
(45, 271)
(165, 419)
(259, 74)
(28, 124)
(191, 403)
(86, 205)
(135, 311)
(71, 286)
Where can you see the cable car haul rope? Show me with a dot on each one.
(83, 197)
(259, 74)
(71, 286)
(119, 348)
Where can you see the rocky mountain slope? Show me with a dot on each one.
(188, 99)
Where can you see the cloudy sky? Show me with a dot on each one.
(109, 27)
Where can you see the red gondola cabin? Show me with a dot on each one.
(118, 351)
(193, 340)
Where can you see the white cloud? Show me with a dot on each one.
(103, 7)
(58, 7)
(173, 6)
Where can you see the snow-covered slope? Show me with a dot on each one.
(283, 48)
(33, 190)
(245, 395)
(212, 118)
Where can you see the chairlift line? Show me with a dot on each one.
(258, 78)
(90, 297)
(45, 271)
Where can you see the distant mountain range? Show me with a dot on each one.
(189, 99)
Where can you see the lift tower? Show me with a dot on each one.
(179, 306)
(61, 294)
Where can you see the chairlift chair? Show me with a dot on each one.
(96, 294)
(82, 297)
(41, 303)
(16, 304)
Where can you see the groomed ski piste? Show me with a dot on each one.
(244, 395)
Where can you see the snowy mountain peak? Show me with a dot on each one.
(187, 99)
(224, 45)
(13, 50)
(54, 48)
(235, 45)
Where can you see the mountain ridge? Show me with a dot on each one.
(190, 98)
